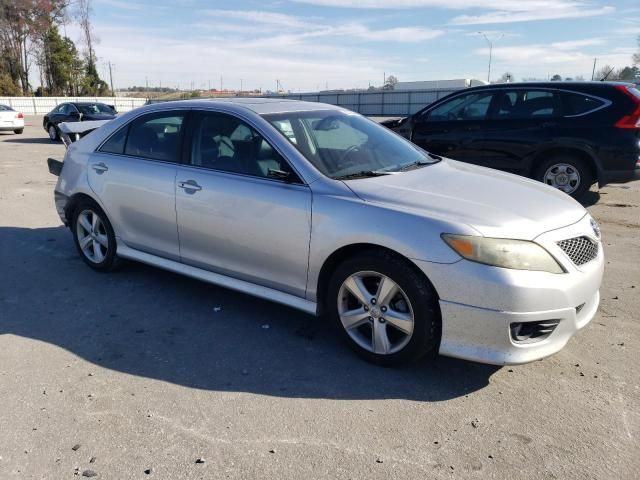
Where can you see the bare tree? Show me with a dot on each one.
(636, 56)
(83, 14)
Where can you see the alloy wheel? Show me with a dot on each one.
(375, 312)
(562, 176)
(92, 236)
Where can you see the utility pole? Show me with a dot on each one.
(220, 82)
(593, 72)
(490, 42)
(240, 85)
(111, 80)
(146, 84)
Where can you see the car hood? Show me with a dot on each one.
(494, 203)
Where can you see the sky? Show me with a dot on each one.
(316, 44)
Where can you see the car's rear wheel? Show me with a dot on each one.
(566, 173)
(18, 131)
(94, 237)
(387, 311)
(53, 132)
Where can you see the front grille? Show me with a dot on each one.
(580, 250)
(529, 332)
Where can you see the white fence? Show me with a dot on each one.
(42, 105)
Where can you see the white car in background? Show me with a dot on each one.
(10, 120)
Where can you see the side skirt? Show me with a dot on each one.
(218, 279)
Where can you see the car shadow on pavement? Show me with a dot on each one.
(590, 198)
(150, 323)
(44, 140)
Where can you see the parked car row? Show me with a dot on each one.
(567, 135)
(321, 209)
(11, 120)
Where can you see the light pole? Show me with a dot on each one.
(490, 42)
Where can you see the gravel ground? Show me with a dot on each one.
(140, 374)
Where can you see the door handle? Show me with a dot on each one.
(100, 168)
(191, 185)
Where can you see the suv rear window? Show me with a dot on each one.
(579, 104)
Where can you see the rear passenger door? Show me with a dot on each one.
(523, 123)
(455, 128)
(133, 174)
(235, 216)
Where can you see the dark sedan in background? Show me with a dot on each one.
(566, 134)
(75, 112)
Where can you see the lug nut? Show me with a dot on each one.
(371, 319)
(373, 301)
(382, 320)
(366, 308)
(384, 309)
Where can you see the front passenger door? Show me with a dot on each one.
(235, 216)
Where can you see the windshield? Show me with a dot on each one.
(341, 144)
(93, 108)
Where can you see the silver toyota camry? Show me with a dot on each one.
(323, 210)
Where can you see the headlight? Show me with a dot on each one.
(502, 252)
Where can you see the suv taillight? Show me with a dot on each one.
(632, 120)
(19, 115)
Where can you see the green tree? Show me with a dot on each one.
(556, 78)
(636, 56)
(91, 83)
(60, 64)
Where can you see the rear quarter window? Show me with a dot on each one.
(579, 104)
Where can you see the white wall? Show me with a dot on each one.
(42, 105)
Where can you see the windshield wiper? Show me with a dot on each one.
(363, 174)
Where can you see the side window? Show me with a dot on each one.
(223, 142)
(578, 104)
(61, 108)
(523, 104)
(155, 136)
(473, 106)
(116, 142)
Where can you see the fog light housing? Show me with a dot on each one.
(530, 332)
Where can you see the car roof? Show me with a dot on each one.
(559, 85)
(261, 106)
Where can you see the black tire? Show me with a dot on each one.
(54, 137)
(421, 295)
(18, 131)
(108, 259)
(584, 171)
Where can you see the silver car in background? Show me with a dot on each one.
(321, 209)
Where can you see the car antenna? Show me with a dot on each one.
(607, 75)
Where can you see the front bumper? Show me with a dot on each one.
(480, 304)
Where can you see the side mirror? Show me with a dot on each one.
(280, 174)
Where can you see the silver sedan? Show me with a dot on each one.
(321, 209)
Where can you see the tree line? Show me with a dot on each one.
(31, 40)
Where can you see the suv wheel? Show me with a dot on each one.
(53, 133)
(571, 175)
(94, 237)
(18, 131)
(386, 310)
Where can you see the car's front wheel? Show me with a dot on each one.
(387, 310)
(53, 132)
(94, 237)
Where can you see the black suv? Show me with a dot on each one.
(565, 134)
